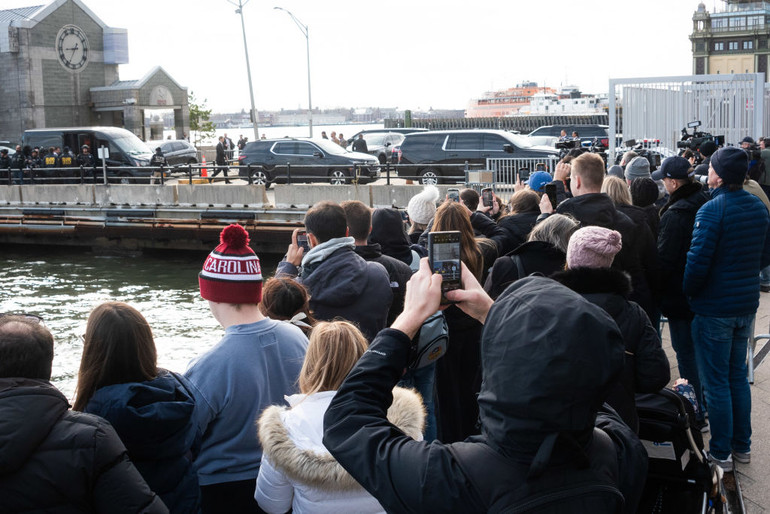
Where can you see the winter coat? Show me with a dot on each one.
(298, 472)
(155, 420)
(646, 241)
(516, 227)
(598, 209)
(646, 368)
(535, 257)
(533, 394)
(345, 285)
(399, 274)
(220, 156)
(55, 460)
(676, 223)
(730, 244)
(388, 231)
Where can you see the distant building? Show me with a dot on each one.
(59, 68)
(507, 102)
(733, 39)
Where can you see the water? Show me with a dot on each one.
(64, 285)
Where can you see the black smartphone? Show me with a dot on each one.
(444, 258)
(550, 190)
(487, 197)
(523, 174)
(454, 194)
(540, 166)
(302, 241)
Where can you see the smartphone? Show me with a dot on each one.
(487, 197)
(454, 194)
(523, 174)
(540, 166)
(444, 258)
(550, 190)
(302, 241)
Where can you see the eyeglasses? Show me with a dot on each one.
(29, 317)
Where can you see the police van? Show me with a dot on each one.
(126, 151)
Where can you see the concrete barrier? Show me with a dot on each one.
(208, 195)
(303, 196)
(10, 195)
(57, 194)
(134, 195)
(399, 196)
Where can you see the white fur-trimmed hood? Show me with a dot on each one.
(320, 469)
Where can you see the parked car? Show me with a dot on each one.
(311, 160)
(398, 130)
(422, 152)
(380, 144)
(176, 151)
(586, 133)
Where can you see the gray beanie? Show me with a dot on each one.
(639, 167)
(615, 171)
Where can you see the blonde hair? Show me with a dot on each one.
(617, 189)
(334, 347)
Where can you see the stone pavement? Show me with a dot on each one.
(754, 478)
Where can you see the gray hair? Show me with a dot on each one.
(556, 229)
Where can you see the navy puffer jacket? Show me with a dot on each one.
(730, 244)
(154, 419)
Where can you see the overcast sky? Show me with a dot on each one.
(413, 54)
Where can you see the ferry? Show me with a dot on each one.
(507, 102)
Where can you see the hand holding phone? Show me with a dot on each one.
(444, 258)
(302, 241)
(550, 191)
(453, 194)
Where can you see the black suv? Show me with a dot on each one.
(311, 160)
(176, 151)
(421, 152)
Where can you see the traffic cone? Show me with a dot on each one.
(204, 171)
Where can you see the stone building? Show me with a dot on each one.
(733, 39)
(59, 65)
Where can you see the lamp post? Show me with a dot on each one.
(254, 115)
(304, 30)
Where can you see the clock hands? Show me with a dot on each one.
(74, 49)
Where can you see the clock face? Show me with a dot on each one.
(72, 47)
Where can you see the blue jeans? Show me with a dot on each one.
(720, 347)
(423, 380)
(681, 341)
(764, 276)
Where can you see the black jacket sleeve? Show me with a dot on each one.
(652, 370)
(118, 486)
(486, 226)
(403, 474)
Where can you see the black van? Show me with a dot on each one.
(440, 156)
(127, 151)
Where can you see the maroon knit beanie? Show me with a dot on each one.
(231, 273)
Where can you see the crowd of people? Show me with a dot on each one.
(29, 163)
(317, 399)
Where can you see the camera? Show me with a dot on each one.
(697, 138)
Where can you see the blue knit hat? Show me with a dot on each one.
(731, 164)
(539, 179)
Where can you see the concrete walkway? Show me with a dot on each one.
(754, 478)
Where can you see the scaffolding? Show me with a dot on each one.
(735, 106)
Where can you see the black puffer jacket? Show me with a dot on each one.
(646, 368)
(56, 460)
(516, 227)
(398, 272)
(676, 225)
(598, 209)
(535, 257)
(547, 366)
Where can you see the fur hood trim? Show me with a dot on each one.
(321, 470)
(595, 280)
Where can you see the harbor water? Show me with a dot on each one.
(63, 285)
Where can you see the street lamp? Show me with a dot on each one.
(304, 30)
(254, 115)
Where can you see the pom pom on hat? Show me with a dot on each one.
(422, 206)
(231, 273)
(593, 247)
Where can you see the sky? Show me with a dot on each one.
(404, 54)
